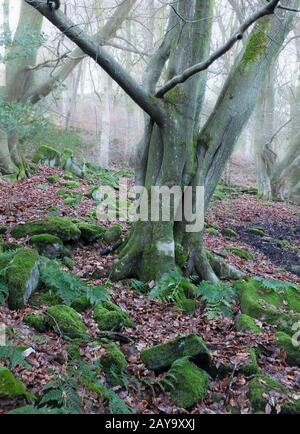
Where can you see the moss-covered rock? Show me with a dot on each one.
(260, 232)
(230, 233)
(285, 343)
(260, 388)
(67, 321)
(161, 357)
(189, 383)
(75, 166)
(114, 364)
(47, 156)
(90, 232)
(110, 317)
(61, 227)
(244, 323)
(251, 367)
(10, 386)
(47, 298)
(36, 321)
(5, 258)
(48, 245)
(22, 277)
(277, 305)
(53, 179)
(72, 184)
(240, 252)
(113, 234)
(68, 262)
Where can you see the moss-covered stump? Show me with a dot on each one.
(161, 357)
(113, 234)
(244, 323)
(36, 321)
(91, 233)
(61, 227)
(10, 386)
(22, 277)
(189, 383)
(66, 321)
(250, 367)
(285, 343)
(48, 245)
(46, 156)
(276, 303)
(110, 317)
(260, 391)
(114, 364)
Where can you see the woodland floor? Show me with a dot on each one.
(158, 322)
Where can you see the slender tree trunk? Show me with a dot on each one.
(264, 129)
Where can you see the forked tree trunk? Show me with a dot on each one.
(176, 155)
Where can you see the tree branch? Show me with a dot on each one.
(188, 73)
(103, 58)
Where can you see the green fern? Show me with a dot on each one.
(62, 393)
(218, 299)
(173, 287)
(14, 355)
(116, 405)
(138, 286)
(3, 291)
(277, 285)
(68, 286)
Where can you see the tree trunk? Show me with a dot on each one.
(174, 156)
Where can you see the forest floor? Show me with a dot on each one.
(275, 255)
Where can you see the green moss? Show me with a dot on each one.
(113, 234)
(91, 233)
(62, 227)
(245, 323)
(68, 262)
(162, 356)
(3, 229)
(229, 233)
(212, 231)
(36, 321)
(257, 43)
(67, 153)
(260, 232)
(285, 343)
(53, 179)
(110, 317)
(67, 320)
(48, 245)
(81, 304)
(22, 277)
(114, 364)
(46, 156)
(70, 201)
(73, 351)
(190, 384)
(180, 256)
(242, 253)
(276, 307)
(10, 386)
(71, 184)
(45, 239)
(251, 367)
(44, 299)
(5, 259)
(260, 388)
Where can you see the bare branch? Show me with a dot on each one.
(188, 73)
(103, 58)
